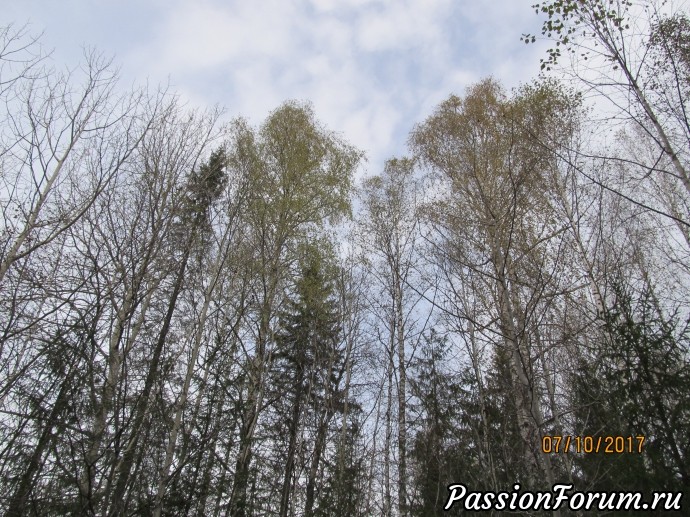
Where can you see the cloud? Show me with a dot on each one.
(197, 36)
(402, 25)
(371, 68)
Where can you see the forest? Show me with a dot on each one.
(205, 317)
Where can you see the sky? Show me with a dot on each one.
(371, 68)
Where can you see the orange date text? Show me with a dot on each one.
(592, 444)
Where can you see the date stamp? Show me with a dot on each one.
(592, 444)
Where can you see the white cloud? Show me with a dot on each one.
(333, 5)
(402, 25)
(372, 68)
(195, 37)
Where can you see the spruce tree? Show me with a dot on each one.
(637, 385)
(308, 369)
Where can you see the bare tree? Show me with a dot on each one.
(60, 146)
(632, 56)
(65, 138)
(389, 228)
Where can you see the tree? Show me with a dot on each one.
(159, 283)
(60, 145)
(440, 449)
(309, 368)
(389, 226)
(637, 385)
(634, 55)
(126, 249)
(67, 142)
(497, 228)
(343, 486)
(218, 232)
(301, 177)
(203, 187)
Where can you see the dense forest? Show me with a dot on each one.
(203, 317)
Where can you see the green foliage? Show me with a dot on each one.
(568, 20)
(310, 331)
(301, 172)
(453, 440)
(597, 412)
(344, 486)
(435, 459)
(206, 184)
(308, 371)
(669, 55)
(202, 188)
(505, 442)
(496, 153)
(638, 385)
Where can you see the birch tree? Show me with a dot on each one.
(496, 226)
(633, 56)
(389, 226)
(302, 176)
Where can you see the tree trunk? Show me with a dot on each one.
(124, 468)
(402, 398)
(292, 446)
(20, 497)
(319, 446)
(387, 505)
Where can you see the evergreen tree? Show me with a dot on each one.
(344, 484)
(638, 385)
(445, 444)
(508, 450)
(308, 369)
(448, 442)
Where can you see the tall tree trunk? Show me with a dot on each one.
(256, 390)
(292, 446)
(319, 446)
(530, 418)
(104, 407)
(346, 407)
(387, 499)
(402, 395)
(481, 395)
(124, 467)
(238, 500)
(21, 495)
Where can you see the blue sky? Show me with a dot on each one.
(371, 68)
